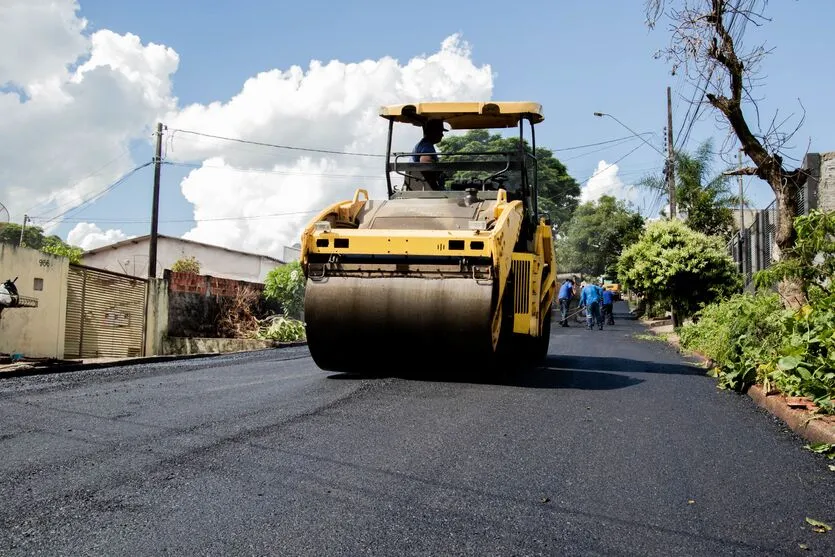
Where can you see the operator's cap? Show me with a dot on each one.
(433, 125)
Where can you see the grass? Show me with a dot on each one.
(650, 336)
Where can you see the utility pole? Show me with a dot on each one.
(22, 230)
(671, 179)
(152, 252)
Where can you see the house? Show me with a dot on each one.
(130, 257)
(38, 330)
(292, 253)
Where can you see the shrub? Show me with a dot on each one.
(806, 366)
(186, 265)
(675, 265)
(753, 339)
(738, 334)
(285, 284)
(282, 329)
(238, 314)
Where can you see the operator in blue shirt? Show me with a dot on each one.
(564, 298)
(590, 298)
(433, 132)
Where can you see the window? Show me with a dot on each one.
(38, 284)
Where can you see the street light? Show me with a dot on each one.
(636, 134)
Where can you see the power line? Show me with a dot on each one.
(95, 196)
(212, 219)
(123, 152)
(611, 165)
(601, 142)
(277, 146)
(375, 155)
(265, 171)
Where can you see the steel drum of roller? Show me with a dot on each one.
(362, 324)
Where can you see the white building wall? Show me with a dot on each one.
(132, 259)
(292, 253)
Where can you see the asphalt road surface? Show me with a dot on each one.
(617, 447)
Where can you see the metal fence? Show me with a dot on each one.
(754, 248)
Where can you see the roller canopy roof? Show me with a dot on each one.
(465, 115)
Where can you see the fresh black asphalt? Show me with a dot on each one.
(617, 447)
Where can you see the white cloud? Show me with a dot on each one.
(68, 122)
(605, 181)
(328, 106)
(76, 100)
(89, 236)
(38, 39)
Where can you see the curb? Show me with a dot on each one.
(801, 422)
(70, 367)
(807, 425)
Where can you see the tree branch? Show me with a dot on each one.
(747, 171)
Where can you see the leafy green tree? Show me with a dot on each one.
(674, 264)
(706, 200)
(285, 284)
(33, 237)
(595, 236)
(62, 249)
(559, 193)
(188, 264)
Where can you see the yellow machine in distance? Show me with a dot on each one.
(462, 274)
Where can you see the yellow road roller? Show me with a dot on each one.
(455, 266)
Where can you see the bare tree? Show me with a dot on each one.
(706, 43)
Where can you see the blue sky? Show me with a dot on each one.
(573, 57)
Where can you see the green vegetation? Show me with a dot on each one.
(825, 449)
(706, 200)
(596, 235)
(738, 334)
(650, 337)
(282, 329)
(33, 237)
(753, 339)
(673, 264)
(57, 247)
(559, 193)
(186, 265)
(285, 285)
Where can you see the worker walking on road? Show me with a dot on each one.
(564, 297)
(608, 305)
(590, 298)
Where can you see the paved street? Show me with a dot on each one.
(618, 447)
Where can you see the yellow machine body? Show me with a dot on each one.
(466, 273)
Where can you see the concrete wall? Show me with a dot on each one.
(180, 346)
(156, 316)
(34, 332)
(132, 259)
(826, 186)
(195, 303)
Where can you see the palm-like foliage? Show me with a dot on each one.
(707, 201)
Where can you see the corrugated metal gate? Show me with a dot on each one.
(105, 314)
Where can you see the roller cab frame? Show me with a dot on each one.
(462, 276)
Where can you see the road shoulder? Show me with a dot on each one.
(815, 428)
(49, 366)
